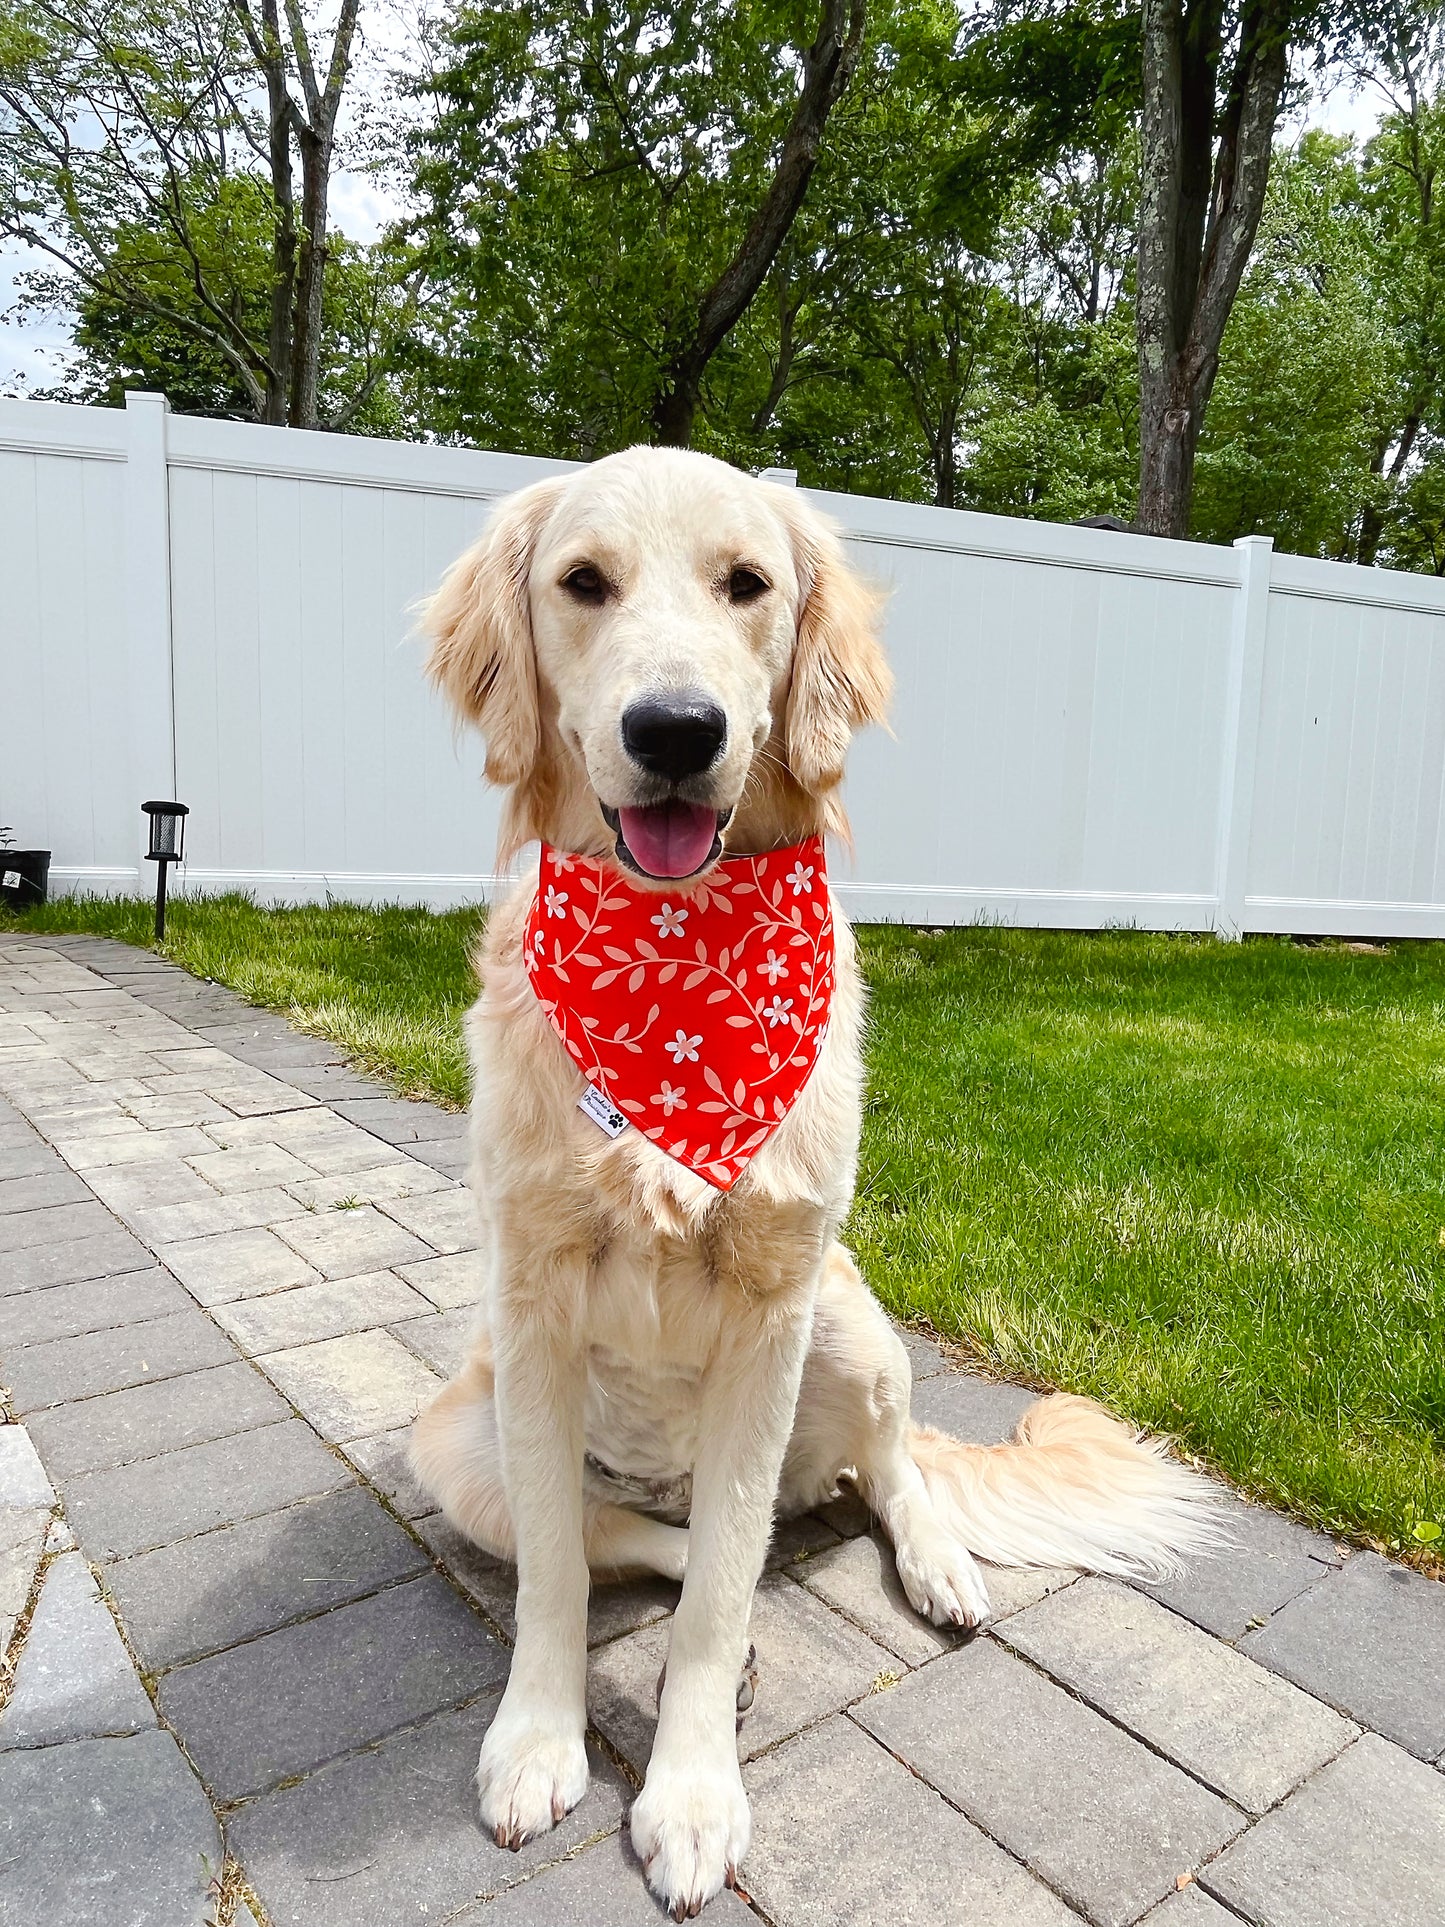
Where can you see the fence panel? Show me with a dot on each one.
(1348, 825)
(1090, 728)
(67, 779)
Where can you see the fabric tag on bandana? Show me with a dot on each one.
(602, 1111)
(695, 1011)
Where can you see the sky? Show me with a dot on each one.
(34, 352)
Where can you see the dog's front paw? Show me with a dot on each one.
(691, 1827)
(531, 1772)
(942, 1580)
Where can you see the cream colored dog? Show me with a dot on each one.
(667, 659)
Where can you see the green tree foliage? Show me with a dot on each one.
(1309, 373)
(172, 168)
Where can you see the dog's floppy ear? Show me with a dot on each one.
(481, 629)
(841, 679)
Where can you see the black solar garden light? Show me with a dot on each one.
(168, 845)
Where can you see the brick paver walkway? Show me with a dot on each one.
(248, 1669)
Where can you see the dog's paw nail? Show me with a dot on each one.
(730, 1878)
(499, 1834)
(679, 1911)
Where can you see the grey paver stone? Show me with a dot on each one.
(400, 1180)
(490, 1582)
(311, 1312)
(22, 1541)
(85, 1151)
(117, 1831)
(66, 1369)
(448, 1155)
(23, 1480)
(811, 1663)
(1101, 1819)
(249, 1167)
(323, 1141)
(28, 1156)
(402, 1119)
(604, 1886)
(1243, 1731)
(446, 1219)
(344, 1244)
(72, 1260)
(450, 1282)
(236, 1264)
(44, 1189)
(860, 1579)
(99, 1304)
(150, 1419)
(184, 1600)
(392, 1834)
(443, 1338)
(260, 1096)
(131, 1190)
(1370, 1639)
(170, 1224)
(1362, 1844)
(980, 1410)
(1189, 1907)
(155, 1501)
(75, 1680)
(843, 1833)
(383, 1460)
(355, 1386)
(176, 1107)
(925, 1358)
(796, 1539)
(329, 1081)
(1268, 1561)
(53, 1224)
(355, 1674)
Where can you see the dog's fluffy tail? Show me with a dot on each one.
(1073, 1488)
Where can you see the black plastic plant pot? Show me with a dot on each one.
(24, 878)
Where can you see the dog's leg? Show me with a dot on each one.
(690, 1823)
(853, 1413)
(533, 1765)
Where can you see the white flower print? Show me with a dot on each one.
(800, 876)
(556, 901)
(683, 1047)
(669, 922)
(671, 1099)
(539, 942)
(778, 1011)
(774, 968)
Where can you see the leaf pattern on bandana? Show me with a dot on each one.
(699, 1012)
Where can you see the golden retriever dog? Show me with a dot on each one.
(667, 659)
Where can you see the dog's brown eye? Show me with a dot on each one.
(586, 584)
(746, 585)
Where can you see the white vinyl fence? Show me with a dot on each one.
(1090, 728)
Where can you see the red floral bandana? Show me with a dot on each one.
(698, 1012)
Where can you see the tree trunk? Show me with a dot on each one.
(316, 137)
(828, 67)
(1199, 213)
(267, 47)
(310, 282)
(1372, 522)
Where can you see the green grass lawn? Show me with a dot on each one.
(1203, 1182)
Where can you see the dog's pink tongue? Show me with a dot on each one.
(669, 839)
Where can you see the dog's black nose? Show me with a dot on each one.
(676, 735)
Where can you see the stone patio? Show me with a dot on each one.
(247, 1668)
